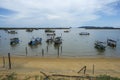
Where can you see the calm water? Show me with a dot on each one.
(74, 45)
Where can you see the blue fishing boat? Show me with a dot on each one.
(35, 41)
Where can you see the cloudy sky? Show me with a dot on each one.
(59, 13)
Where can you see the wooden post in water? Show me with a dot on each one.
(26, 51)
(58, 52)
(47, 48)
(61, 49)
(42, 52)
(93, 69)
(3, 62)
(9, 60)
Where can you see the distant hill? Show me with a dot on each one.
(95, 27)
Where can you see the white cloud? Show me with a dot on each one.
(64, 12)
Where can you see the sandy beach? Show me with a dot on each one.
(67, 66)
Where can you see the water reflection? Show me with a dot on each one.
(56, 46)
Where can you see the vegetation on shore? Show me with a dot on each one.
(36, 28)
(95, 27)
(14, 76)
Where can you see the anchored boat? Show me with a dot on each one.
(66, 31)
(12, 32)
(29, 30)
(100, 45)
(58, 40)
(35, 41)
(111, 43)
(49, 30)
(84, 33)
(51, 34)
(14, 41)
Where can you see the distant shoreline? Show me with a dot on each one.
(96, 28)
(105, 28)
(32, 28)
(90, 27)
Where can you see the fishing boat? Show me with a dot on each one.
(14, 41)
(100, 45)
(12, 32)
(50, 34)
(66, 31)
(29, 30)
(35, 41)
(84, 33)
(49, 40)
(49, 30)
(111, 43)
(58, 40)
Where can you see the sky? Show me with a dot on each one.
(59, 13)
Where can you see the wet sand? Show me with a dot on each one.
(67, 66)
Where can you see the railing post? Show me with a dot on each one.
(26, 51)
(9, 58)
(58, 52)
(42, 52)
(93, 69)
(3, 62)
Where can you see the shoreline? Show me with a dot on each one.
(66, 66)
(61, 56)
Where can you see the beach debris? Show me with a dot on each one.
(46, 76)
(82, 69)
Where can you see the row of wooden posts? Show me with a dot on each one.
(58, 51)
(9, 57)
(9, 61)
